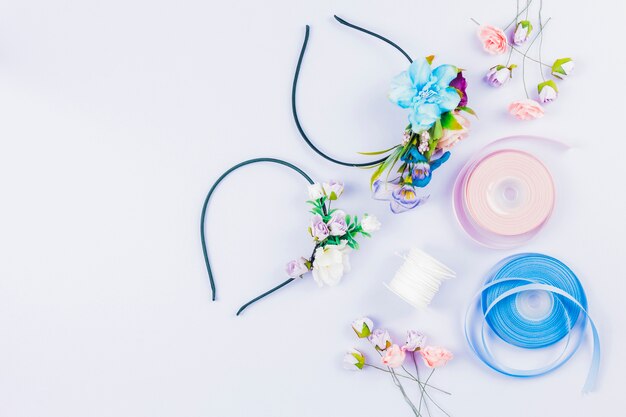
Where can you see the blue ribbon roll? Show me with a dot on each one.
(531, 301)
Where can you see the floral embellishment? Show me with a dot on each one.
(414, 341)
(522, 32)
(395, 362)
(380, 339)
(562, 68)
(363, 327)
(548, 91)
(493, 39)
(426, 92)
(297, 268)
(334, 233)
(393, 357)
(435, 356)
(353, 360)
(526, 109)
(498, 75)
(435, 98)
(331, 263)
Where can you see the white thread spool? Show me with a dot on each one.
(419, 278)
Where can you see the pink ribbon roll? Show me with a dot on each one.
(504, 196)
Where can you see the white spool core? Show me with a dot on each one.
(419, 278)
(534, 305)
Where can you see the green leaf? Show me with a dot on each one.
(448, 121)
(388, 163)
(437, 131)
(379, 152)
(468, 110)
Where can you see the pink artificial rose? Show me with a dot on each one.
(435, 356)
(526, 109)
(450, 137)
(393, 357)
(493, 39)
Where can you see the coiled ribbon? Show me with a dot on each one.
(419, 278)
(504, 196)
(531, 301)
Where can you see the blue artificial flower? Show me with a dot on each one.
(421, 169)
(426, 92)
(405, 198)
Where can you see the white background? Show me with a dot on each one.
(116, 117)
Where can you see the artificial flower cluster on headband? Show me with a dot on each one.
(334, 233)
(393, 360)
(496, 42)
(435, 98)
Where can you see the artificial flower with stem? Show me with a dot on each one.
(393, 359)
(547, 90)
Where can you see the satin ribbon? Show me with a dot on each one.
(504, 196)
(531, 301)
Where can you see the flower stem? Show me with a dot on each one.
(525, 9)
(422, 388)
(526, 54)
(411, 377)
(401, 388)
(543, 77)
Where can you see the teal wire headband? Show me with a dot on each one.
(333, 231)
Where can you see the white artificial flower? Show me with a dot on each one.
(353, 360)
(330, 263)
(547, 94)
(316, 191)
(380, 339)
(363, 327)
(522, 32)
(333, 189)
(498, 76)
(370, 224)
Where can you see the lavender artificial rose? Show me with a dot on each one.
(318, 229)
(297, 268)
(414, 341)
(337, 223)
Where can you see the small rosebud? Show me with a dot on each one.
(333, 189)
(370, 224)
(522, 32)
(363, 327)
(353, 360)
(297, 268)
(380, 339)
(315, 191)
(414, 341)
(548, 91)
(562, 68)
(498, 76)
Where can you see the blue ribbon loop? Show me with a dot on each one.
(532, 301)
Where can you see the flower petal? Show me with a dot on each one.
(445, 74)
(449, 99)
(402, 90)
(420, 72)
(424, 116)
